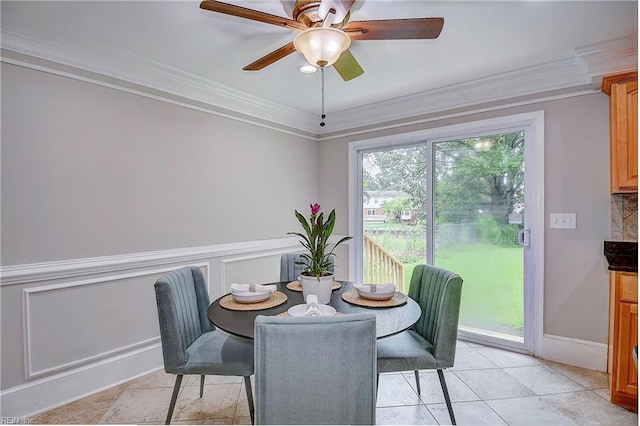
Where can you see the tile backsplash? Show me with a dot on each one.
(624, 217)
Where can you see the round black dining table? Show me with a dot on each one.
(389, 320)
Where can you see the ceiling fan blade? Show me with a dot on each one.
(243, 12)
(341, 7)
(271, 58)
(347, 66)
(395, 29)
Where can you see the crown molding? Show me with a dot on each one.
(587, 67)
(610, 57)
(148, 74)
(538, 79)
(123, 70)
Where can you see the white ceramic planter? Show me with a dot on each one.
(321, 288)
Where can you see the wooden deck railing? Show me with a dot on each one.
(380, 266)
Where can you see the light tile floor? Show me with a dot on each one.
(487, 386)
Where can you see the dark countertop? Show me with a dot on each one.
(622, 255)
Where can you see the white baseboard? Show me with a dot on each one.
(35, 397)
(581, 353)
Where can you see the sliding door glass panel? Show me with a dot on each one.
(478, 214)
(394, 206)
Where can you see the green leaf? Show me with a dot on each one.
(303, 222)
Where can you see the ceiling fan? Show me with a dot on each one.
(326, 33)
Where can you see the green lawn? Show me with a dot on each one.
(492, 290)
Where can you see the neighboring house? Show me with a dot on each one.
(372, 204)
(372, 210)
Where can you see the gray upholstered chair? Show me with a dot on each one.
(190, 343)
(289, 271)
(315, 370)
(431, 343)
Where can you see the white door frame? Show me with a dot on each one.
(533, 125)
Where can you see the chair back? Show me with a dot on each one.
(315, 370)
(438, 293)
(289, 270)
(182, 301)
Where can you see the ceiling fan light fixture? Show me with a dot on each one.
(322, 46)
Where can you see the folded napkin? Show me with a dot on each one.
(257, 288)
(376, 288)
(312, 306)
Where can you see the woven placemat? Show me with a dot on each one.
(276, 298)
(296, 286)
(354, 298)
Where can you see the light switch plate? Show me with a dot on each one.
(563, 220)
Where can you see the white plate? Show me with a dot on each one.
(300, 310)
(250, 296)
(375, 295)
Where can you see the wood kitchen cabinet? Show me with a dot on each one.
(623, 107)
(623, 336)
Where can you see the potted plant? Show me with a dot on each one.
(315, 277)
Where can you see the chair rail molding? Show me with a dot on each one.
(45, 271)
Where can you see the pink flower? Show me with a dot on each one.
(315, 208)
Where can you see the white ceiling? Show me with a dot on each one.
(487, 50)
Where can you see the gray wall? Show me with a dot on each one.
(90, 171)
(576, 180)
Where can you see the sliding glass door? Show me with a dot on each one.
(479, 209)
(458, 202)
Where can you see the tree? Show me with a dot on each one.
(480, 176)
(473, 176)
(394, 208)
(402, 169)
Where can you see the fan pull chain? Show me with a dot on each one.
(323, 116)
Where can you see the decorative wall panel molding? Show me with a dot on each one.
(49, 323)
(48, 363)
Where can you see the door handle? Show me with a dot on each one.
(524, 238)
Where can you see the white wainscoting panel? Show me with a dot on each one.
(260, 267)
(80, 322)
(90, 324)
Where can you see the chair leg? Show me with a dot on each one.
(247, 385)
(201, 385)
(417, 380)
(446, 396)
(174, 397)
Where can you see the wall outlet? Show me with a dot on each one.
(563, 220)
